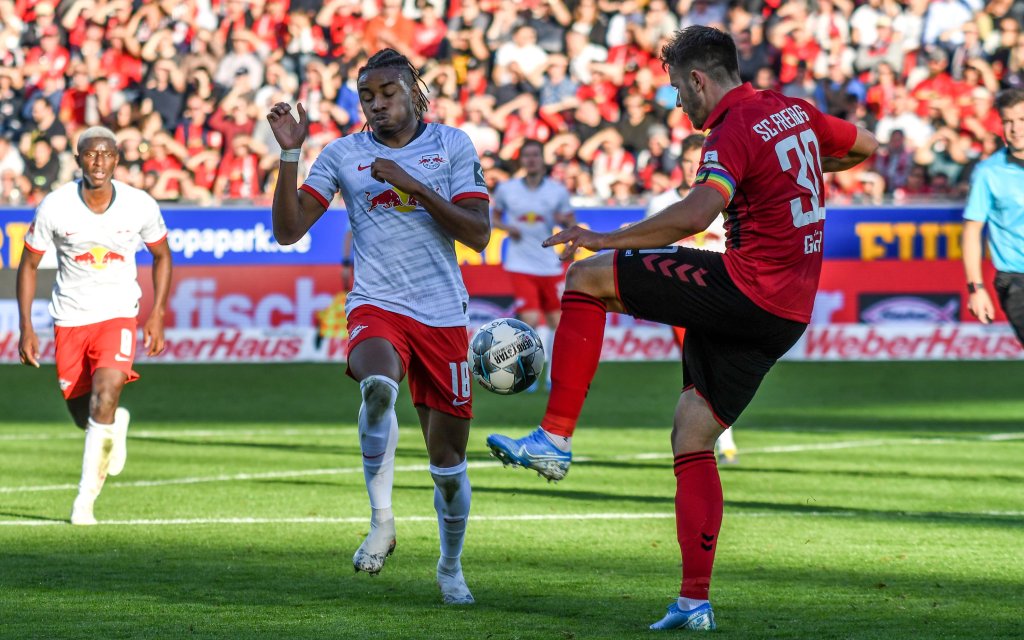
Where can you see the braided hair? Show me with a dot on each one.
(391, 59)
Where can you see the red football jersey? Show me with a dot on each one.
(763, 154)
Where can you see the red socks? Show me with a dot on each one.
(574, 358)
(698, 519)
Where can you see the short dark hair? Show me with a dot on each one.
(1009, 98)
(531, 142)
(692, 141)
(391, 59)
(704, 48)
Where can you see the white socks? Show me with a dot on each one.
(562, 443)
(378, 440)
(689, 604)
(725, 441)
(452, 496)
(98, 441)
(547, 340)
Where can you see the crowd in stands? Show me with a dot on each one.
(186, 85)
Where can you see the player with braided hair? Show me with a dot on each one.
(411, 189)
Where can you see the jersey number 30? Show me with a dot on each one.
(808, 174)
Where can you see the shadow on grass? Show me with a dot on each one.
(1013, 521)
(181, 582)
(930, 396)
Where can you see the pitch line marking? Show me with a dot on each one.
(476, 518)
(271, 475)
(321, 431)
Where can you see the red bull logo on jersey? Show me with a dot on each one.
(431, 161)
(392, 198)
(530, 217)
(99, 258)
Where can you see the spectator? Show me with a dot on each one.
(635, 123)
(44, 125)
(885, 48)
(520, 60)
(705, 12)
(485, 137)
(10, 158)
(558, 93)
(199, 69)
(11, 102)
(390, 28)
(42, 169)
(164, 92)
(549, 20)
(609, 160)
(944, 22)
(894, 162)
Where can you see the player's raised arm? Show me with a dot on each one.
(681, 220)
(294, 211)
(864, 145)
(28, 343)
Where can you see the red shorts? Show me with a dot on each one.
(80, 351)
(434, 358)
(536, 293)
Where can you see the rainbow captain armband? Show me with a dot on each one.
(714, 175)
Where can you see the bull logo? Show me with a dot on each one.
(99, 258)
(392, 199)
(530, 217)
(431, 161)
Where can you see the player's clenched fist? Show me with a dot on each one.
(389, 171)
(290, 134)
(576, 237)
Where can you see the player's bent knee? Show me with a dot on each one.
(594, 276)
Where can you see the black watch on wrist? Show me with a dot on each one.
(975, 286)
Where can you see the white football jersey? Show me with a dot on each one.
(403, 260)
(96, 274)
(533, 212)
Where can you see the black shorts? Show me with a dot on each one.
(730, 342)
(1010, 289)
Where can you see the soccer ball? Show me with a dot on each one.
(506, 356)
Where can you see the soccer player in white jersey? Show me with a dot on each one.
(95, 225)
(528, 209)
(711, 239)
(411, 190)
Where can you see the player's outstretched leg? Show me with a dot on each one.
(95, 464)
(538, 450)
(378, 440)
(452, 497)
(119, 450)
(574, 361)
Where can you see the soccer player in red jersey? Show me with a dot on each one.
(762, 165)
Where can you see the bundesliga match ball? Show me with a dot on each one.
(506, 356)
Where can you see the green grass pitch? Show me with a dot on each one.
(871, 501)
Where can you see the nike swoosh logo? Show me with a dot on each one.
(70, 233)
(120, 358)
(362, 168)
(459, 403)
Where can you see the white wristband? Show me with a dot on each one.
(291, 155)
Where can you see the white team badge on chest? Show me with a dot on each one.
(432, 161)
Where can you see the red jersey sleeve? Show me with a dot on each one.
(836, 136)
(724, 161)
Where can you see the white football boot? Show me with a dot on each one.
(453, 586)
(379, 544)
